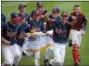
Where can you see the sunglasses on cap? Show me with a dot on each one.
(64, 15)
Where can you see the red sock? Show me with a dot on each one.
(75, 53)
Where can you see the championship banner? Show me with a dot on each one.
(36, 42)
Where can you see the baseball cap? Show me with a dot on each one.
(39, 4)
(21, 6)
(64, 14)
(15, 16)
(35, 12)
(56, 10)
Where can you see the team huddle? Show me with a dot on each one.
(28, 34)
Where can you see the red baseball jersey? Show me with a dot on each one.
(80, 20)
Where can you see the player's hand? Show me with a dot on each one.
(7, 42)
(4, 41)
(82, 32)
(22, 36)
(33, 30)
(73, 17)
(70, 43)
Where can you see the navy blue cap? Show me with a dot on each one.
(35, 12)
(15, 16)
(22, 5)
(56, 10)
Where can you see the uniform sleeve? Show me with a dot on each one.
(26, 17)
(42, 28)
(45, 11)
(68, 29)
(3, 18)
(85, 23)
(28, 29)
(54, 26)
(69, 19)
(3, 29)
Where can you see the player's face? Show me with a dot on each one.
(64, 19)
(36, 17)
(15, 21)
(22, 9)
(39, 6)
(55, 14)
(77, 10)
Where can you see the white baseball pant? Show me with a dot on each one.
(59, 54)
(12, 54)
(75, 36)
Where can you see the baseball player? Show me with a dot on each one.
(39, 6)
(49, 27)
(78, 22)
(22, 30)
(53, 17)
(3, 19)
(36, 25)
(21, 8)
(10, 48)
(43, 11)
(60, 36)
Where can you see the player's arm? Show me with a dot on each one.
(84, 25)
(72, 20)
(21, 35)
(44, 14)
(3, 31)
(4, 41)
(31, 28)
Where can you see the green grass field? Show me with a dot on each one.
(8, 7)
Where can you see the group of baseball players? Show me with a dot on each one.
(59, 26)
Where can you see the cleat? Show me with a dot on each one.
(23, 54)
(46, 62)
(50, 65)
(76, 64)
(70, 43)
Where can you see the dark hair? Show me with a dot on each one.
(76, 6)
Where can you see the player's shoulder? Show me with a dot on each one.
(72, 14)
(24, 24)
(25, 14)
(59, 17)
(50, 16)
(82, 14)
(5, 24)
(45, 9)
(3, 15)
